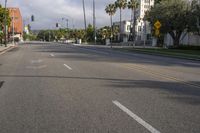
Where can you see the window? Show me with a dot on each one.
(139, 28)
(128, 28)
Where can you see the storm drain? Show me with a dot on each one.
(1, 83)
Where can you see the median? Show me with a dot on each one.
(177, 53)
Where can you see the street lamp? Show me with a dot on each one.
(13, 24)
(5, 24)
(67, 20)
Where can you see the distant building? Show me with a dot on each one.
(142, 28)
(125, 29)
(16, 24)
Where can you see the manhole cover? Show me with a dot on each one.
(1, 83)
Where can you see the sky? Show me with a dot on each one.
(49, 12)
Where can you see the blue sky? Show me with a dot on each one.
(48, 12)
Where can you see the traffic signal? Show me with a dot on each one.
(57, 25)
(32, 18)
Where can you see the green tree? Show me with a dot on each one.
(111, 10)
(4, 12)
(121, 4)
(80, 34)
(174, 16)
(195, 13)
(103, 34)
(90, 33)
(133, 5)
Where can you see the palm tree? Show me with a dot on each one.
(121, 4)
(111, 10)
(133, 5)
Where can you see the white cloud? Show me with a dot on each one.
(49, 12)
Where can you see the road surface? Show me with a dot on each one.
(59, 88)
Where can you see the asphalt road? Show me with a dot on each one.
(57, 88)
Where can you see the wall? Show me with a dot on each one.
(186, 39)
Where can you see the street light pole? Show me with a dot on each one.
(13, 26)
(94, 21)
(85, 23)
(5, 24)
(67, 20)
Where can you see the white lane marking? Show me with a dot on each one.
(136, 118)
(36, 61)
(52, 55)
(36, 67)
(67, 66)
(93, 50)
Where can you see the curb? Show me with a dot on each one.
(7, 49)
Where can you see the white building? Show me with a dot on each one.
(125, 29)
(143, 29)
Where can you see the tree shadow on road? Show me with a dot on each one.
(108, 55)
(174, 90)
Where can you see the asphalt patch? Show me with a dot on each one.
(1, 83)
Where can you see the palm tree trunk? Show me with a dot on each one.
(111, 26)
(134, 24)
(132, 27)
(120, 28)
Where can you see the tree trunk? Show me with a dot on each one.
(176, 37)
(120, 28)
(176, 41)
(111, 31)
(134, 24)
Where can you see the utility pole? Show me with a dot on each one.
(67, 23)
(84, 15)
(94, 21)
(5, 24)
(49, 36)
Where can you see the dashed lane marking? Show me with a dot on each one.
(136, 118)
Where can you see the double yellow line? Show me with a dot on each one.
(159, 75)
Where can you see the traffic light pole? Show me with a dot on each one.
(5, 25)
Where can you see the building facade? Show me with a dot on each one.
(143, 28)
(16, 28)
(125, 29)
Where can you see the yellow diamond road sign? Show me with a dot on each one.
(157, 24)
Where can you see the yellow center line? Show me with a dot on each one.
(157, 74)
